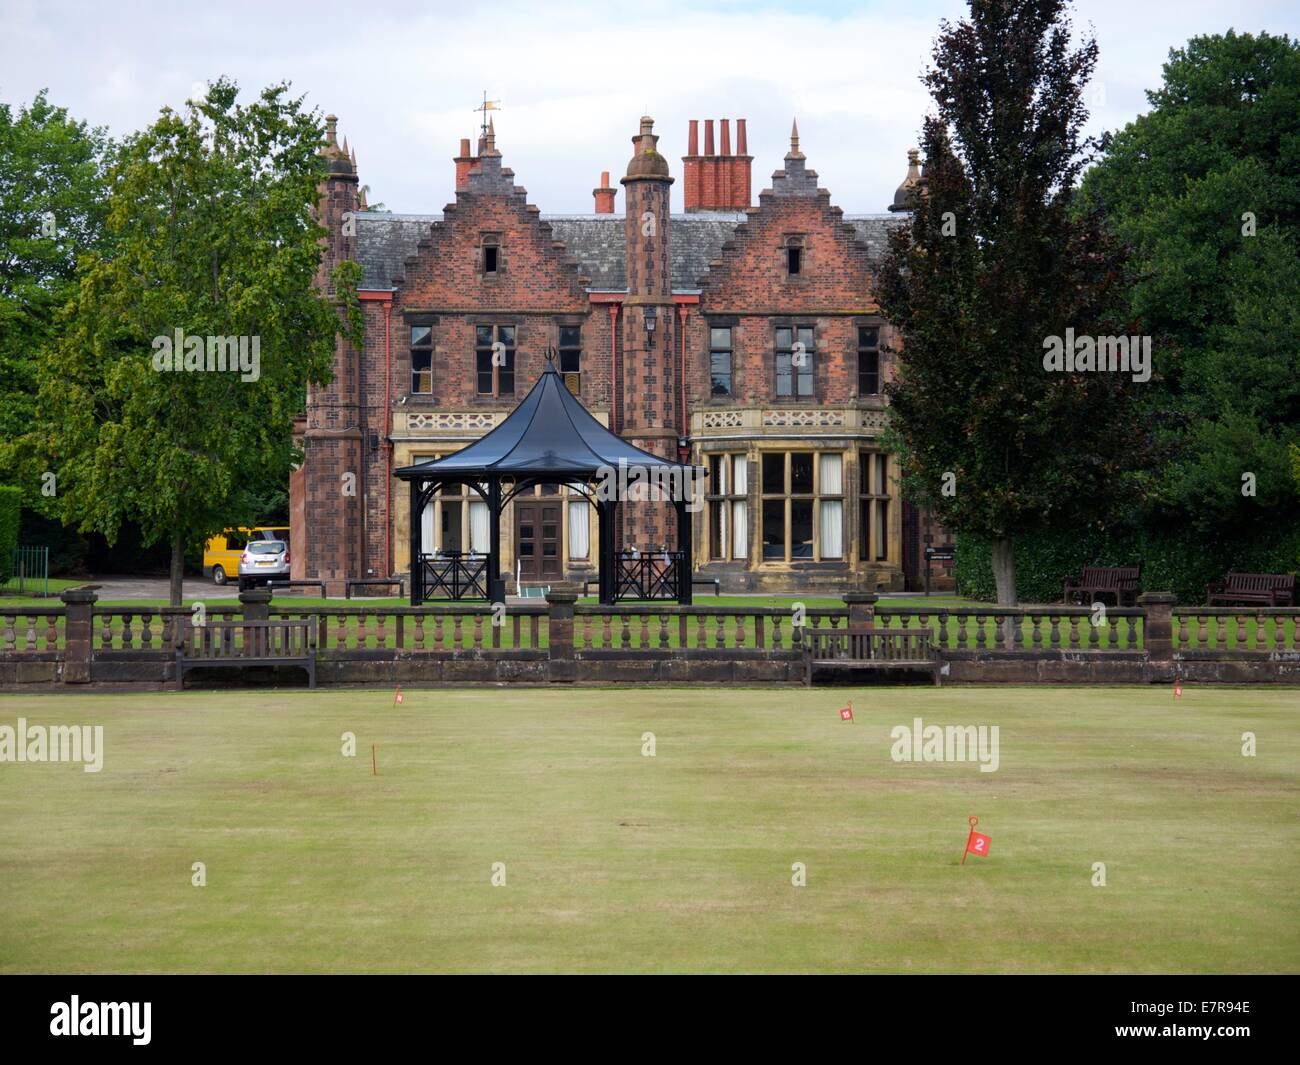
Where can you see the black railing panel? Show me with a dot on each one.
(649, 576)
(453, 577)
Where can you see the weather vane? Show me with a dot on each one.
(486, 106)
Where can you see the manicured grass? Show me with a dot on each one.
(680, 862)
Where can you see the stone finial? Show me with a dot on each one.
(906, 196)
(646, 162)
(338, 159)
(794, 152)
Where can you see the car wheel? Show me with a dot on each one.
(218, 575)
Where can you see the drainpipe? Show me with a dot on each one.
(613, 369)
(682, 312)
(365, 461)
(388, 441)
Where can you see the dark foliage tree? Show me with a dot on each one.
(996, 261)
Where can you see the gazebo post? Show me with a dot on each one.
(611, 551)
(496, 588)
(417, 571)
(604, 554)
(684, 546)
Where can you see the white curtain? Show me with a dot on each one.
(579, 528)
(740, 508)
(832, 528)
(739, 529)
(832, 474)
(831, 483)
(478, 526)
(426, 528)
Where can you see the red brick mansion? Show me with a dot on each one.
(745, 339)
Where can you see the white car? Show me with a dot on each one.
(263, 561)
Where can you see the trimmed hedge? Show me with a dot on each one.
(11, 500)
(1175, 561)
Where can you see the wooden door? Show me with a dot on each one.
(537, 539)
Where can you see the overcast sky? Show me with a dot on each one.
(573, 77)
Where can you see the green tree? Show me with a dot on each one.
(1205, 188)
(995, 261)
(213, 236)
(53, 195)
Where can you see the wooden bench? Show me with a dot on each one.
(865, 646)
(1252, 589)
(1095, 581)
(374, 582)
(294, 584)
(594, 582)
(290, 642)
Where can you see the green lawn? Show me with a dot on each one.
(680, 862)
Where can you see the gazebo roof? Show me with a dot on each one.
(550, 434)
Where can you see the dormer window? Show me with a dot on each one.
(794, 256)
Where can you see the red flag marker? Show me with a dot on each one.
(1178, 689)
(374, 768)
(976, 843)
(846, 714)
(398, 697)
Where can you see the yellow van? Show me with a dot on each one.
(221, 553)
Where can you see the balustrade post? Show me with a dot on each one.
(78, 634)
(1158, 634)
(862, 608)
(562, 668)
(255, 604)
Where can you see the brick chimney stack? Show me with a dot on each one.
(464, 162)
(717, 181)
(648, 371)
(604, 195)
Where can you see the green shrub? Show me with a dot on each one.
(11, 500)
(1174, 560)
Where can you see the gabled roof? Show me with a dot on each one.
(597, 241)
(549, 434)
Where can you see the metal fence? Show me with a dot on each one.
(31, 572)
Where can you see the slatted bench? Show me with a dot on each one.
(714, 582)
(374, 582)
(289, 642)
(320, 585)
(1120, 581)
(1252, 589)
(864, 646)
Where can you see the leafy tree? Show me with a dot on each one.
(213, 236)
(52, 209)
(995, 261)
(1205, 188)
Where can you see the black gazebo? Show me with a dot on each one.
(552, 439)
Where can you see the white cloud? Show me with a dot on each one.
(574, 77)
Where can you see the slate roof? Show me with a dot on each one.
(595, 240)
(550, 433)
(873, 231)
(383, 243)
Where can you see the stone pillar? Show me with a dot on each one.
(255, 604)
(862, 608)
(562, 668)
(1158, 634)
(78, 633)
